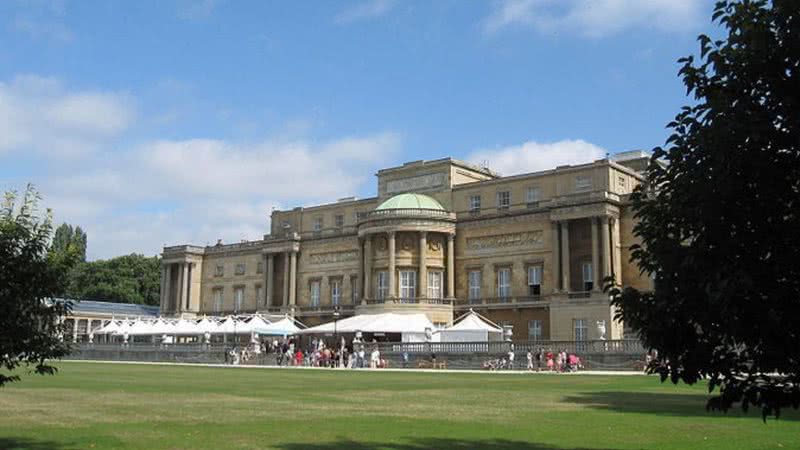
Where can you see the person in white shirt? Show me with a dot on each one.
(530, 360)
(375, 357)
(511, 359)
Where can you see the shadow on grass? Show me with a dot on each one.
(425, 443)
(20, 443)
(663, 404)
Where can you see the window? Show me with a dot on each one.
(240, 269)
(238, 298)
(621, 183)
(354, 289)
(259, 295)
(535, 280)
(504, 283)
(339, 220)
(360, 215)
(408, 285)
(219, 271)
(383, 285)
(217, 300)
(588, 282)
(314, 287)
(475, 204)
(260, 267)
(435, 284)
(583, 182)
(474, 286)
(535, 330)
(503, 199)
(336, 292)
(580, 329)
(317, 224)
(533, 195)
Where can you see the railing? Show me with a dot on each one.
(582, 294)
(409, 212)
(409, 301)
(623, 346)
(485, 302)
(349, 307)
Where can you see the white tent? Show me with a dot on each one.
(162, 326)
(471, 327)
(185, 327)
(207, 326)
(230, 326)
(140, 328)
(284, 327)
(254, 325)
(414, 324)
(112, 327)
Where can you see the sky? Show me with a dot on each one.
(155, 123)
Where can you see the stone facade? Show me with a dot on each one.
(529, 250)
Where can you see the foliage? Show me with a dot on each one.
(124, 279)
(30, 277)
(718, 217)
(69, 239)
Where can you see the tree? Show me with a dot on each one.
(130, 279)
(718, 218)
(67, 238)
(31, 277)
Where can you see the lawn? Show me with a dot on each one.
(178, 407)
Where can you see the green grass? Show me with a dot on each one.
(177, 407)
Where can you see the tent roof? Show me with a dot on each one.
(285, 326)
(376, 323)
(472, 321)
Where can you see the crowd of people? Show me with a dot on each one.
(317, 353)
(539, 360)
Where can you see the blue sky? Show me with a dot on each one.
(164, 122)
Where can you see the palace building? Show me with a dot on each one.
(441, 237)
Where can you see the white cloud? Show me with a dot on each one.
(367, 10)
(39, 115)
(594, 18)
(532, 156)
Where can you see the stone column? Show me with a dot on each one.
(605, 244)
(423, 265)
(359, 284)
(451, 266)
(167, 287)
(185, 285)
(392, 274)
(293, 279)
(565, 260)
(596, 280)
(75, 330)
(556, 265)
(616, 248)
(270, 279)
(286, 279)
(367, 292)
(163, 289)
(176, 306)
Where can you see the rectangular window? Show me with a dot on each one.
(580, 329)
(534, 280)
(219, 270)
(238, 299)
(260, 267)
(621, 183)
(218, 300)
(259, 295)
(339, 220)
(314, 293)
(588, 282)
(435, 284)
(383, 285)
(240, 269)
(535, 330)
(504, 283)
(317, 224)
(474, 286)
(533, 195)
(360, 215)
(583, 182)
(503, 199)
(336, 292)
(475, 204)
(408, 285)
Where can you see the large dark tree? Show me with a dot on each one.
(719, 217)
(69, 239)
(31, 276)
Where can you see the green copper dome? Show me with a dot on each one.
(410, 201)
